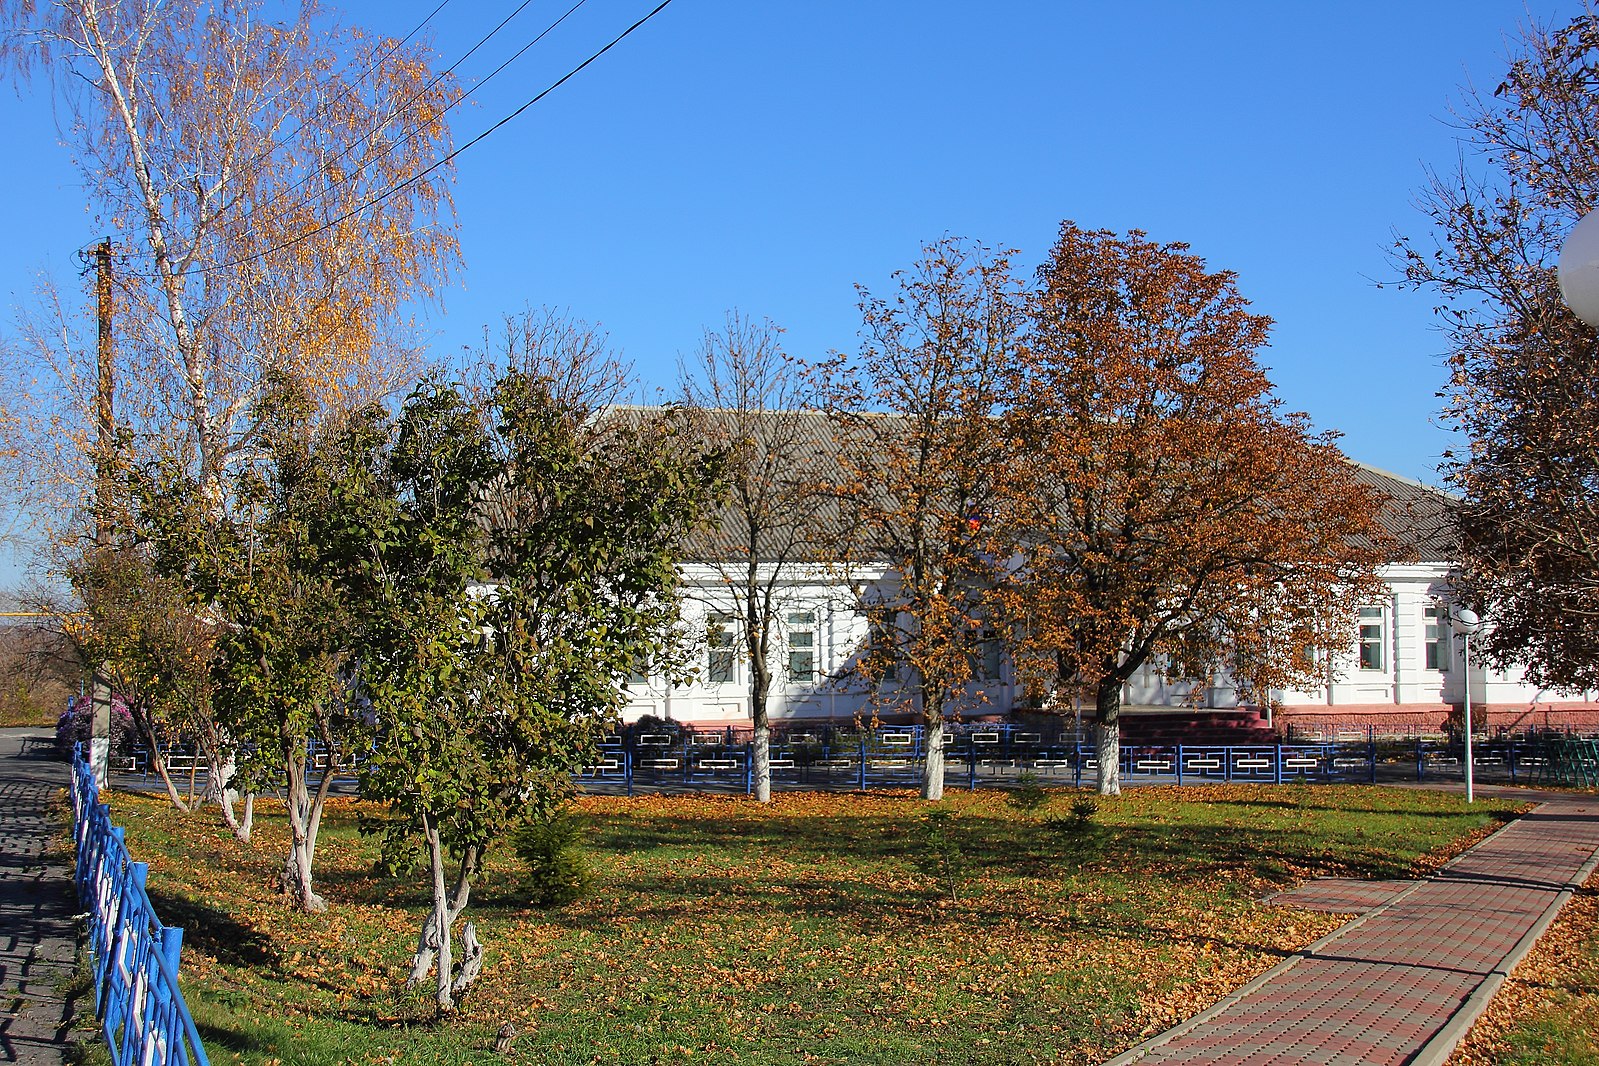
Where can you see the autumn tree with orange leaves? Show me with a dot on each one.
(267, 180)
(919, 451)
(1156, 505)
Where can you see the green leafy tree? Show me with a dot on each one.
(531, 565)
(282, 576)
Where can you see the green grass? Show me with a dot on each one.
(800, 933)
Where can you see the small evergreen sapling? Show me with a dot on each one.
(558, 874)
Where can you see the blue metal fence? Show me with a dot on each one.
(140, 1009)
(666, 756)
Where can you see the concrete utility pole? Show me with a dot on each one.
(105, 447)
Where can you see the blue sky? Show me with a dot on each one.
(769, 156)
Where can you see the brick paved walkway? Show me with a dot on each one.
(1403, 983)
(37, 933)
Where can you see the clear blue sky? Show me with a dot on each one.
(769, 156)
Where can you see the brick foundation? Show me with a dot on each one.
(1576, 717)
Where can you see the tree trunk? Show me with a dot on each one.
(759, 634)
(219, 787)
(1107, 736)
(933, 763)
(761, 758)
(147, 734)
(433, 949)
(433, 946)
(297, 877)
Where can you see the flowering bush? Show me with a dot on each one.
(77, 723)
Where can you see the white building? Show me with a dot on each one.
(1404, 674)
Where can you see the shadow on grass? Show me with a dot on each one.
(215, 932)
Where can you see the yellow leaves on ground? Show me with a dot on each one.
(1545, 1011)
(796, 932)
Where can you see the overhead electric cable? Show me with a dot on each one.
(279, 141)
(413, 179)
(405, 106)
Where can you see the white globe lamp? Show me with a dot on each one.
(1578, 268)
(1469, 624)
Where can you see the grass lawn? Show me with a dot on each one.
(805, 932)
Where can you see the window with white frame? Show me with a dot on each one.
(986, 658)
(721, 665)
(802, 645)
(1373, 638)
(1436, 635)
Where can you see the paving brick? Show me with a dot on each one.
(1389, 984)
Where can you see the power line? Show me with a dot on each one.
(276, 142)
(404, 107)
(413, 179)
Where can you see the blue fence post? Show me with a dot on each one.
(1179, 764)
(1420, 761)
(1510, 757)
(863, 762)
(172, 945)
(1371, 751)
(749, 765)
(971, 764)
(627, 769)
(1077, 764)
(1279, 763)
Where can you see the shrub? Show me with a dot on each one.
(937, 853)
(1029, 795)
(76, 724)
(1081, 821)
(557, 873)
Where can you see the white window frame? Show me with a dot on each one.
(1437, 638)
(802, 638)
(721, 640)
(1378, 621)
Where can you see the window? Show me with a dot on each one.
(1373, 638)
(802, 645)
(1436, 636)
(721, 659)
(639, 674)
(985, 660)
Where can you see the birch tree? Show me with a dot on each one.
(269, 190)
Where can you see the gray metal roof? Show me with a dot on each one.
(1419, 518)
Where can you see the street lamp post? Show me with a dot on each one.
(1468, 623)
